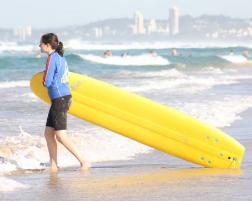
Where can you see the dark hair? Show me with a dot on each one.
(52, 39)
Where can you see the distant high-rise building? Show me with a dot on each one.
(139, 24)
(174, 21)
(23, 32)
(98, 32)
(152, 26)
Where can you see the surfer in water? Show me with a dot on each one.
(56, 81)
(107, 53)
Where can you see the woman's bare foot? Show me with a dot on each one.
(54, 169)
(84, 166)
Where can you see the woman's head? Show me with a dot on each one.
(50, 42)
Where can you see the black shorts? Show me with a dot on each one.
(57, 116)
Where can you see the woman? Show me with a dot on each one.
(56, 81)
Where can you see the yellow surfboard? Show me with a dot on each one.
(148, 122)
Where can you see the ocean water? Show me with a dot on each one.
(207, 83)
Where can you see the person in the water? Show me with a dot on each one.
(56, 81)
(107, 53)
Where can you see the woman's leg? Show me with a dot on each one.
(52, 147)
(62, 137)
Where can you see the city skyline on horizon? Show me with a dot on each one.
(74, 14)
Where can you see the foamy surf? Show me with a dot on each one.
(140, 60)
(15, 47)
(14, 84)
(8, 185)
(172, 79)
(219, 113)
(236, 59)
(78, 44)
(27, 152)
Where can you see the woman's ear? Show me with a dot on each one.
(48, 46)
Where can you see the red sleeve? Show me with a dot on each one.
(47, 67)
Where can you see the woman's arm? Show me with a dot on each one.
(49, 71)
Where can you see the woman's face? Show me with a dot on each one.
(45, 48)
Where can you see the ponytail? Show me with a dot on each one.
(60, 49)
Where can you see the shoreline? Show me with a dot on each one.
(153, 176)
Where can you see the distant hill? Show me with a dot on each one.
(191, 28)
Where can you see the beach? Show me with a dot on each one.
(205, 86)
(155, 176)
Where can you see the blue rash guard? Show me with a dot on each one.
(56, 76)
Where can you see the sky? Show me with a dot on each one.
(57, 13)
